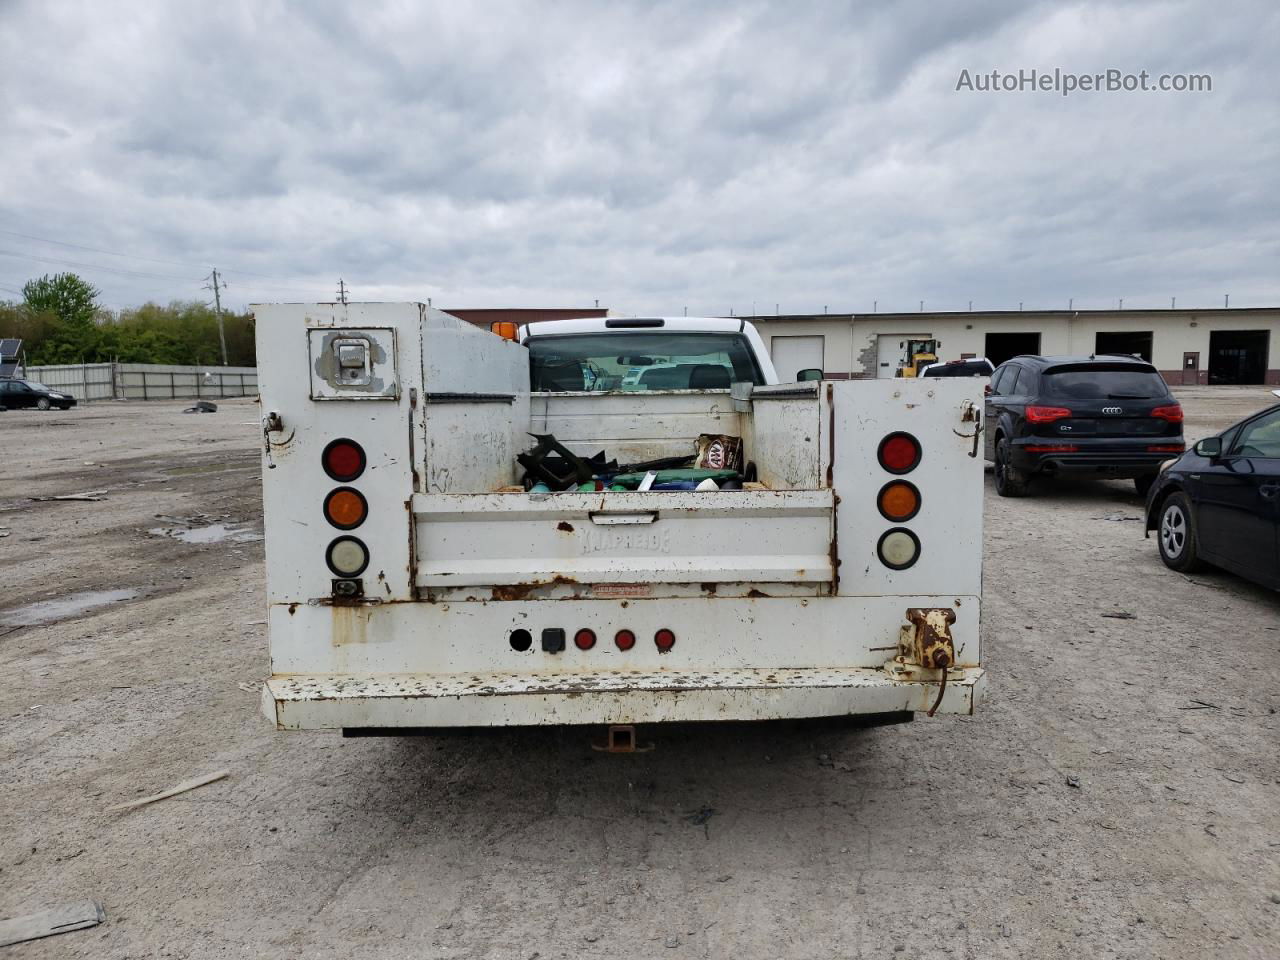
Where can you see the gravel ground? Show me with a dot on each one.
(1118, 795)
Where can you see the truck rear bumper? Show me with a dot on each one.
(297, 702)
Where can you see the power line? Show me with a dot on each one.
(110, 253)
(132, 256)
(96, 266)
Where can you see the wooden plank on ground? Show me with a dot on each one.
(46, 923)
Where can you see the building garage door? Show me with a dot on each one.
(1005, 346)
(891, 351)
(1238, 356)
(1124, 343)
(793, 354)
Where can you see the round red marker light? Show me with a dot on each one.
(665, 639)
(899, 452)
(584, 639)
(343, 460)
(624, 639)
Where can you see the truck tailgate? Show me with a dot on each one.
(745, 536)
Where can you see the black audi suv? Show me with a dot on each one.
(1106, 416)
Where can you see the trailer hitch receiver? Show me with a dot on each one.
(928, 641)
(925, 648)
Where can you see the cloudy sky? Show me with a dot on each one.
(655, 156)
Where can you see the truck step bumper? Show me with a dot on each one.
(298, 702)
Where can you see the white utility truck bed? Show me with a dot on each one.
(413, 581)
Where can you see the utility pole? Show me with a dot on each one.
(218, 286)
(342, 292)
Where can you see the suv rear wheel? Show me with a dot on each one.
(1177, 535)
(1010, 481)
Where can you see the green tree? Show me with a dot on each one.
(73, 303)
(60, 322)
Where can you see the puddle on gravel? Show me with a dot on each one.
(213, 533)
(63, 608)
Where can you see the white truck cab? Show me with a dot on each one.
(602, 354)
(416, 579)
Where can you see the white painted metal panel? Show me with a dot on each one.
(472, 446)
(294, 484)
(320, 702)
(949, 524)
(784, 441)
(624, 537)
(634, 426)
(374, 378)
(712, 632)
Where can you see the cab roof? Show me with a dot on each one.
(545, 328)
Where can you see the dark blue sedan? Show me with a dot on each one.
(1219, 503)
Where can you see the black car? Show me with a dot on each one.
(29, 393)
(1108, 416)
(1220, 502)
(969, 367)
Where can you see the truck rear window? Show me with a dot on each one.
(641, 361)
(1104, 383)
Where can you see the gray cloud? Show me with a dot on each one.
(656, 156)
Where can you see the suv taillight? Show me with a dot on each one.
(1047, 414)
(1173, 413)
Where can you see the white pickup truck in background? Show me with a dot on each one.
(418, 579)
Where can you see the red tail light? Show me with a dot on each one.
(1168, 448)
(343, 460)
(1052, 448)
(1173, 413)
(899, 452)
(665, 639)
(1047, 414)
(624, 639)
(584, 639)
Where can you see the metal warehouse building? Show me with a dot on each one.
(1237, 345)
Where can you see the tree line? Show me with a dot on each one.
(60, 320)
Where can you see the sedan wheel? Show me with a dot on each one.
(43, 403)
(1177, 535)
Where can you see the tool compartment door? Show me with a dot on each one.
(521, 539)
